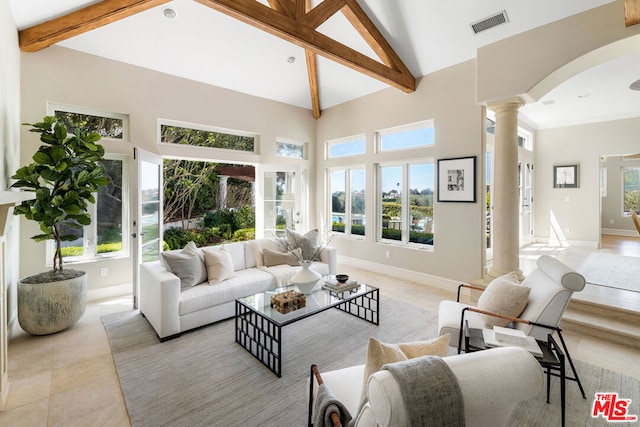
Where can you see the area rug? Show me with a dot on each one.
(205, 378)
(617, 271)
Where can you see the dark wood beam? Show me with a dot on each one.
(631, 12)
(283, 6)
(43, 35)
(278, 24)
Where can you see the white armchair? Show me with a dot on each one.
(551, 286)
(491, 382)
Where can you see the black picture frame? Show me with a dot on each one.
(565, 176)
(457, 179)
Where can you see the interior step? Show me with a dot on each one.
(616, 324)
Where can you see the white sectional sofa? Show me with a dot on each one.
(171, 310)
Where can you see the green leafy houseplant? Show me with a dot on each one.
(65, 174)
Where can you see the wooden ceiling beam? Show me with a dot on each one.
(283, 6)
(631, 12)
(312, 72)
(325, 10)
(278, 24)
(370, 33)
(43, 35)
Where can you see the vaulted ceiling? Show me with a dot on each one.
(309, 53)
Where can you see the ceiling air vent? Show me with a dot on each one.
(635, 85)
(490, 22)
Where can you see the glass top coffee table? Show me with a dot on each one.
(259, 325)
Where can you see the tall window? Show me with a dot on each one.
(105, 236)
(631, 189)
(348, 207)
(406, 213)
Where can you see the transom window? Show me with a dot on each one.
(289, 149)
(413, 136)
(351, 146)
(203, 136)
(107, 125)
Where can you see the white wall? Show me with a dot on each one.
(578, 209)
(447, 97)
(10, 141)
(66, 76)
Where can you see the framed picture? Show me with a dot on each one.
(457, 180)
(565, 176)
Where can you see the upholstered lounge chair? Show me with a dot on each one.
(551, 286)
(491, 382)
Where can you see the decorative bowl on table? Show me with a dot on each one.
(342, 278)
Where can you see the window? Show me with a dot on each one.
(347, 147)
(419, 135)
(290, 149)
(348, 208)
(406, 212)
(202, 136)
(108, 125)
(105, 237)
(631, 189)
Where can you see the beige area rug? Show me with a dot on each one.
(204, 378)
(616, 271)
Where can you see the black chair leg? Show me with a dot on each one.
(573, 368)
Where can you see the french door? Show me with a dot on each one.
(147, 225)
(279, 199)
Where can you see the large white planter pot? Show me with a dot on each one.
(47, 308)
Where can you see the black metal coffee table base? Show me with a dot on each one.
(261, 336)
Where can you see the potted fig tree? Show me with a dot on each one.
(65, 175)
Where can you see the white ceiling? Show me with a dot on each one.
(204, 45)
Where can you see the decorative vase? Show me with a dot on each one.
(305, 279)
(47, 308)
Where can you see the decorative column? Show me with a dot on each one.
(222, 187)
(506, 219)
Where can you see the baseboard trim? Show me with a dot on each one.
(109, 292)
(414, 276)
(618, 232)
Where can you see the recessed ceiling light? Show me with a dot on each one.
(291, 59)
(169, 13)
(584, 95)
(635, 85)
(548, 102)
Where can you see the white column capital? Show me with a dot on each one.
(509, 104)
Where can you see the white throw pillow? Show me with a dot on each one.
(219, 264)
(504, 295)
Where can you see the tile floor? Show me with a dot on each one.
(69, 378)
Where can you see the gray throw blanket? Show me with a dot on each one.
(430, 392)
(326, 403)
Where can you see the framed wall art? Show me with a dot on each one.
(565, 176)
(457, 179)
